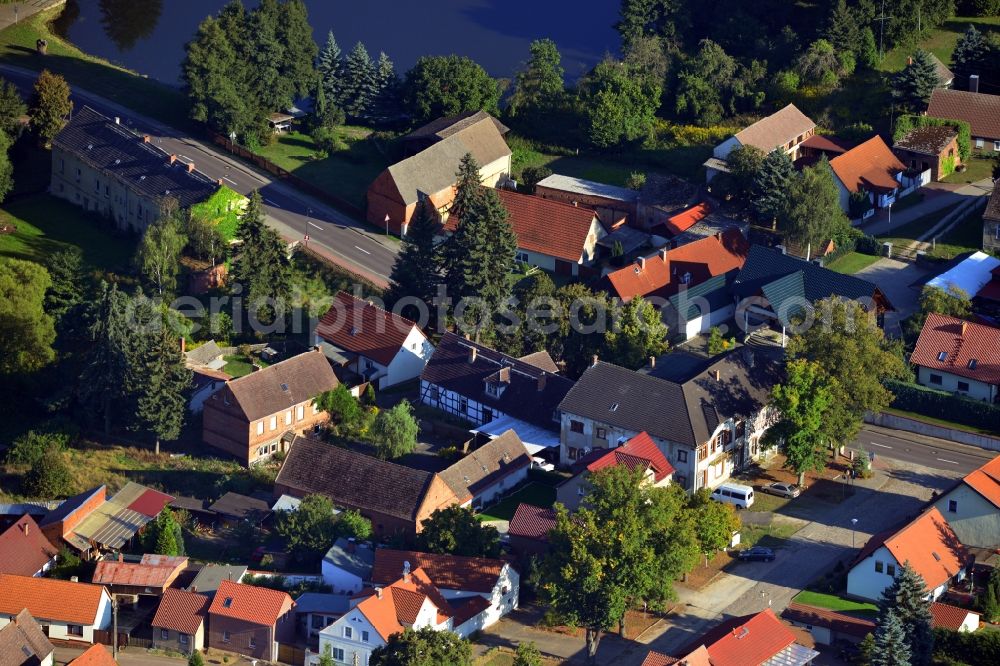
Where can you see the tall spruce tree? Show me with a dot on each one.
(907, 599)
(360, 77)
(162, 403)
(269, 89)
(295, 34)
(105, 374)
(971, 53)
(769, 189)
(262, 267)
(891, 648)
(12, 107)
(386, 102)
(415, 274)
(867, 51)
(912, 87)
(842, 28)
(502, 252)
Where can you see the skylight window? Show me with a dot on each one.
(614, 407)
(228, 602)
(284, 387)
(942, 356)
(973, 363)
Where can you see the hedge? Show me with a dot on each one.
(981, 647)
(905, 123)
(868, 245)
(943, 405)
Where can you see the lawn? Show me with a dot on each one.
(977, 168)
(941, 41)
(346, 173)
(909, 232)
(46, 224)
(144, 95)
(966, 236)
(833, 602)
(772, 536)
(533, 493)
(852, 262)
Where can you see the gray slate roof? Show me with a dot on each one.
(483, 467)
(589, 187)
(234, 505)
(204, 354)
(316, 602)
(208, 580)
(359, 562)
(144, 168)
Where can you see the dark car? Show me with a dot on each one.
(789, 490)
(756, 554)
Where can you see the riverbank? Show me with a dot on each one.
(146, 96)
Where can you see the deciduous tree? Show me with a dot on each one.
(159, 253)
(714, 523)
(527, 654)
(423, 647)
(310, 529)
(395, 431)
(745, 163)
(456, 530)
(340, 405)
(50, 477)
(712, 85)
(448, 85)
(620, 106)
(951, 302)
(637, 333)
(803, 399)
(50, 106)
(539, 85)
(27, 331)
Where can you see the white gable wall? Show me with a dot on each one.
(409, 362)
(334, 638)
(975, 519)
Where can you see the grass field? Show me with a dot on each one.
(46, 224)
(977, 168)
(834, 602)
(146, 96)
(852, 262)
(533, 493)
(941, 42)
(909, 232)
(346, 173)
(966, 236)
(772, 536)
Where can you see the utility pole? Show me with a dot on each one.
(881, 18)
(114, 626)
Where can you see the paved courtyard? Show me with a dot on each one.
(895, 279)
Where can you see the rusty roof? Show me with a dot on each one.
(154, 571)
(450, 572)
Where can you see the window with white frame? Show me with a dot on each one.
(164, 634)
(260, 427)
(348, 632)
(337, 654)
(979, 144)
(253, 641)
(300, 413)
(182, 639)
(996, 145)
(364, 636)
(288, 417)
(274, 423)
(226, 636)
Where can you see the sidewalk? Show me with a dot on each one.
(18, 11)
(935, 199)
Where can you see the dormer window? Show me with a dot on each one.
(495, 389)
(942, 356)
(973, 363)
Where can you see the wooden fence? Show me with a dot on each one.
(283, 174)
(289, 654)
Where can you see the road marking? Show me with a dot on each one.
(884, 446)
(271, 203)
(230, 180)
(314, 225)
(184, 157)
(948, 461)
(363, 250)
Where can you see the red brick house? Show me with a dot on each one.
(24, 550)
(250, 621)
(59, 524)
(931, 147)
(430, 173)
(255, 416)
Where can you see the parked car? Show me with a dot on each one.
(789, 490)
(734, 493)
(542, 464)
(756, 554)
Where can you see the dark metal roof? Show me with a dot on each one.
(102, 143)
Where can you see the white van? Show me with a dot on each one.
(739, 495)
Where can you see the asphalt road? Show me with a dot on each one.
(921, 450)
(293, 213)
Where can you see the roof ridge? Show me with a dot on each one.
(365, 303)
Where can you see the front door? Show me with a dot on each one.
(563, 267)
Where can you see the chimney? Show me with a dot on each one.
(642, 263)
(351, 545)
(965, 325)
(973, 83)
(190, 167)
(541, 382)
(472, 354)
(219, 182)
(194, 588)
(593, 360)
(663, 254)
(378, 592)
(74, 579)
(173, 158)
(652, 361)
(909, 60)
(118, 121)
(718, 375)
(146, 138)
(26, 527)
(406, 571)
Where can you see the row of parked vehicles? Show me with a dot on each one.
(742, 496)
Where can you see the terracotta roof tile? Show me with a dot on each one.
(946, 616)
(640, 451)
(969, 349)
(95, 655)
(986, 481)
(777, 129)
(362, 328)
(399, 603)
(256, 605)
(493, 461)
(870, 166)
(702, 259)
(303, 377)
(823, 617)
(927, 543)
(992, 211)
(746, 641)
(50, 598)
(657, 659)
(181, 611)
(980, 110)
(450, 572)
(24, 550)
(686, 219)
(827, 144)
(532, 522)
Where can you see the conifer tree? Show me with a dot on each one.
(842, 28)
(465, 255)
(769, 189)
(162, 403)
(913, 86)
(268, 88)
(262, 266)
(386, 103)
(105, 374)
(415, 274)
(331, 70)
(906, 599)
(867, 51)
(890, 648)
(295, 35)
(360, 81)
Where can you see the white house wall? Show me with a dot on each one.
(339, 580)
(949, 382)
(449, 401)
(703, 323)
(976, 520)
(333, 636)
(722, 150)
(409, 362)
(866, 583)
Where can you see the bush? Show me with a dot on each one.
(868, 245)
(328, 140)
(449, 453)
(941, 405)
(532, 175)
(981, 647)
(29, 448)
(50, 477)
(635, 180)
(718, 344)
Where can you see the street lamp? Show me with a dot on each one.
(854, 523)
(889, 222)
(387, 224)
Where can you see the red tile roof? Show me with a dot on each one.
(451, 572)
(986, 481)
(827, 144)
(657, 659)
(928, 543)
(640, 451)
(95, 655)
(822, 617)
(399, 603)
(51, 599)
(24, 550)
(362, 328)
(962, 342)
(946, 616)
(256, 605)
(181, 611)
(154, 571)
(747, 641)
(544, 226)
(980, 110)
(661, 275)
(869, 166)
(688, 218)
(532, 522)
(150, 503)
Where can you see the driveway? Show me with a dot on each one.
(894, 278)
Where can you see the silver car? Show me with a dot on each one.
(789, 490)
